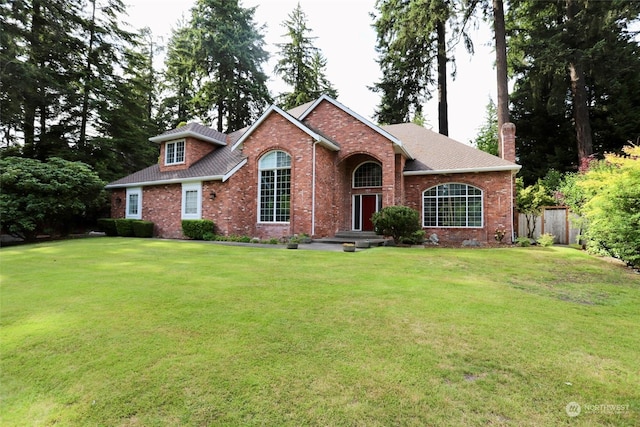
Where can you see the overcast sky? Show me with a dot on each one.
(344, 35)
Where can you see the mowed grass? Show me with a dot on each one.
(124, 332)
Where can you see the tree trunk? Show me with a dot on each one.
(582, 123)
(502, 107)
(443, 115)
(581, 119)
(30, 94)
(87, 81)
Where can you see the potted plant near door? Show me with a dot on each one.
(349, 247)
(293, 243)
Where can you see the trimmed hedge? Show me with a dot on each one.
(142, 228)
(108, 225)
(197, 228)
(125, 227)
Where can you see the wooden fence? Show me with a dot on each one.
(554, 220)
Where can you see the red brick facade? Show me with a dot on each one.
(321, 182)
(497, 194)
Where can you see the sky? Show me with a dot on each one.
(346, 39)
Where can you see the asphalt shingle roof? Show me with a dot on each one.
(196, 129)
(216, 164)
(432, 153)
(435, 153)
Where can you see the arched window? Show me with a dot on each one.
(274, 187)
(368, 174)
(452, 205)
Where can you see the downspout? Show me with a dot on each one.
(513, 208)
(313, 190)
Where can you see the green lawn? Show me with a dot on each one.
(114, 331)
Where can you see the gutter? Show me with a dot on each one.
(513, 168)
(166, 181)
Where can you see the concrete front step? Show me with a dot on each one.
(354, 237)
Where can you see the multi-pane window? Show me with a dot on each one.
(191, 200)
(275, 187)
(134, 203)
(367, 175)
(452, 205)
(174, 153)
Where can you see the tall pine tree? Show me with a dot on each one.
(230, 86)
(411, 36)
(301, 65)
(577, 68)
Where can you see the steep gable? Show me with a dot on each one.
(308, 109)
(276, 110)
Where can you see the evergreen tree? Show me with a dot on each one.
(66, 66)
(487, 139)
(230, 84)
(578, 72)
(179, 77)
(41, 59)
(494, 11)
(410, 35)
(301, 64)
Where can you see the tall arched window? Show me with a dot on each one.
(368, 174)
(452, 205)
(274, 187)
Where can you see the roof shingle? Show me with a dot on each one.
(436, 153)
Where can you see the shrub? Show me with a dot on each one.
(523, 241)
(125, 227)
(417, 238)
(47, 196)
(142, 228)
(607, 196)
(197, 228)
(546, 239)
(108, 225)
(399, 222)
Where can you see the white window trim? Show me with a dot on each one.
(166, 152)
(353, 175)
(482, 206)
(260, 170)
(134, 191)
(191, 186)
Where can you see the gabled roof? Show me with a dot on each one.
(277, 110)
(439, 154)
(218, 165)
(194, 130)
(399, 147)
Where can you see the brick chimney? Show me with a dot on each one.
(507, 148)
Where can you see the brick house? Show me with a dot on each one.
(319, 169)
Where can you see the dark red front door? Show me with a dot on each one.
(369, 204)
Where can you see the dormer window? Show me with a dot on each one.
(174, 153)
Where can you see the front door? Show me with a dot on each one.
(364, 206)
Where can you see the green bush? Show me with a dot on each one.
(197, 228)
(417, 238)
(46, 197)
(546, 239)
(607, 197)
(523, 241)
(125, 227)
(399, 222)
(143, 228)
(108, 225)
